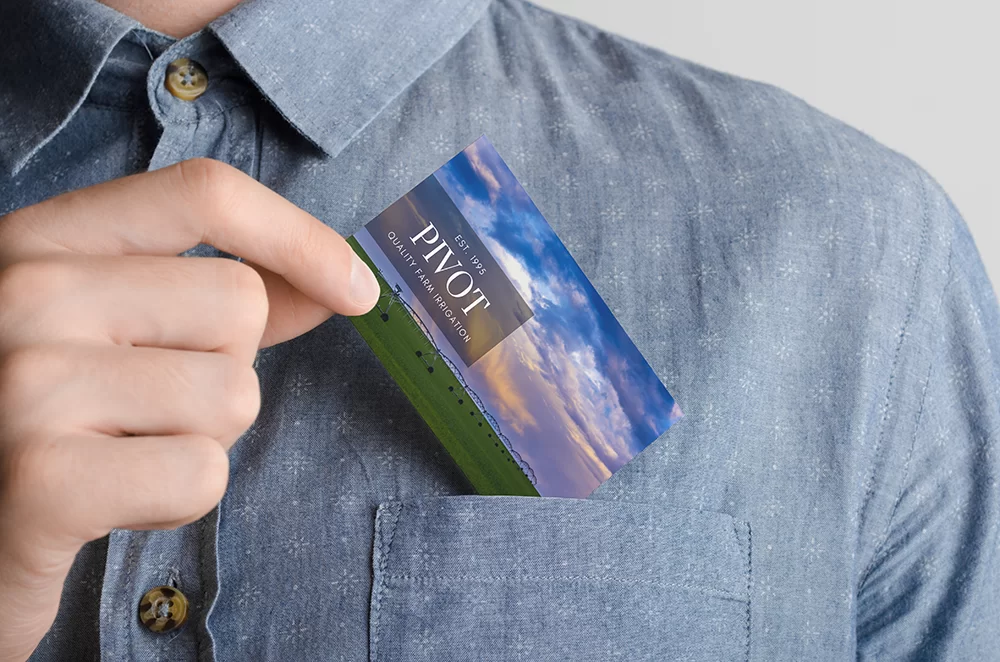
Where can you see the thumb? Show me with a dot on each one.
(290, 312)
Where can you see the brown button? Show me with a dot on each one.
(163, 609)
(186, 79)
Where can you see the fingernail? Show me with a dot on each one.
(364, 287)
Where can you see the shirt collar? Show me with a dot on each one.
(329, 68)
(53, 51)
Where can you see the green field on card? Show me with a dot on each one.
(439, 397)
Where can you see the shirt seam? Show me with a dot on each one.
(215, 588)
(880, 548)
(749, 572)
(515, 579)
(198, 635)
(384, 534)
(126, 598)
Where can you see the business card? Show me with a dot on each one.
(500, 341)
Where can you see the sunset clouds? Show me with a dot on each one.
(586, 400)
(568, 388)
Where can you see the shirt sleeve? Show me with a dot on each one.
(933, 589)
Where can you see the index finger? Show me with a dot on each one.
(168, 211)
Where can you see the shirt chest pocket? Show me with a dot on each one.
(511, 578)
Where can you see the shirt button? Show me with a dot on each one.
(163, 609)
(186, 79)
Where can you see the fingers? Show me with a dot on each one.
(69, 389)
(76, 488)
(203, 304)
(167, 211)
(292, 313)
(125, 372)
(58, 494)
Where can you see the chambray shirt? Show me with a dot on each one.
(811, 298)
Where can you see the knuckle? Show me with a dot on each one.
(242, 393)
(213, 467)
(248, 298)
(299, 245)
(250, 287)
(206, 482)
(209, 183)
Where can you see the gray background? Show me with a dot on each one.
(919, 76)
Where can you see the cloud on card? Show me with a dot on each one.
(571, 391)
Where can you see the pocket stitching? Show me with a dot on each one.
(388, 519)
(698, 588)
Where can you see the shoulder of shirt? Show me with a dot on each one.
(714, 110)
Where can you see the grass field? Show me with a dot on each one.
(439, 397)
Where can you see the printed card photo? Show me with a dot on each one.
(500, 341)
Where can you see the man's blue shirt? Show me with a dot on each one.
(812, 299)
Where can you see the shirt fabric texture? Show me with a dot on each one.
(812, 299)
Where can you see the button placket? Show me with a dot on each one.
(178, 82)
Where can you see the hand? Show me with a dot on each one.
(120, 361)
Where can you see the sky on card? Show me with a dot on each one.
(569, 389)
